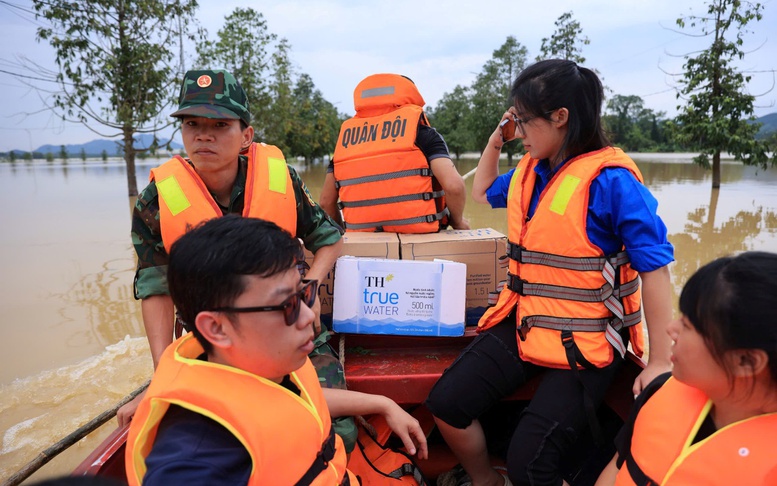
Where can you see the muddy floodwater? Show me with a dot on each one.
(73, 343)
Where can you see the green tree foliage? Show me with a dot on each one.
(450, 118)
(315, 122)
(280, 111)
(633, 127)
(566, 42)
(63, 153)
(717, 105)
(491, 92)
(117, 63)
(244, 48)
(83, 154)
(104, 155)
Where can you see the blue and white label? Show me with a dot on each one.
(377, 296)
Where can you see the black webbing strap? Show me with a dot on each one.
(408, 469)
(425, 172)
(580, 324)
(321, 462)
(637, 474)
(425, 196)
(522, 255)
(574, 356)
(606, 291)
(429, 218)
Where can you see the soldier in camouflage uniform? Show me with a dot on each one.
(213, 107)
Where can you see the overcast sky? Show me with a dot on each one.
(634, 43)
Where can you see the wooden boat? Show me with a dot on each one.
(405, 368)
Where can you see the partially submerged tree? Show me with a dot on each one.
(450, 116)
(118, 64)
(491, 91)
(717, 105)
(565, 43)
(315, 122)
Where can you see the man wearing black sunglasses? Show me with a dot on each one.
(237, 400)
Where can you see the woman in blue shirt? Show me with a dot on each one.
(569, 165)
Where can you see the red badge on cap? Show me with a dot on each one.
(203, 81)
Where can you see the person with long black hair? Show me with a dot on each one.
(586, 251)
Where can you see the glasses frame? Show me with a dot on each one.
(290, 307)
(519, 122)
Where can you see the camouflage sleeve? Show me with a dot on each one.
(314, 226)
(151, 274)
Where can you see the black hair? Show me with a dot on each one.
(732, 303)
(557, 83)
(208, 263)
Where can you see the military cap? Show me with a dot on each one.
(212, 93)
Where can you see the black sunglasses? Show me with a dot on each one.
(290, 306)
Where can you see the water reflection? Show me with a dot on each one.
(73, 336)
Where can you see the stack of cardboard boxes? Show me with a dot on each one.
(435, 288)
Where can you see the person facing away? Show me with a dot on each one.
(582, 233)
(713, 419)
(237, 400)
(213, 181)
(391, 171)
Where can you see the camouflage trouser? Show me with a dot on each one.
(331, 375)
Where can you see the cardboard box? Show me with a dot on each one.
(376, 245)
(480, 249)
(418, 298)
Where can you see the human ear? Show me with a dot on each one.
(248, 136)
(561, 118)
(749, 362)
(214, 327)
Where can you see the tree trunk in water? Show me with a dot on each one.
(716, 170)
(129, 160)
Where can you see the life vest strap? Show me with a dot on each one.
(429, 218)
(408, 469)
(575, 357)
(637, 474)
(602, 294)
(522, 255)
(321, 462)
(425, 196)
(425, 172)
(580, 324)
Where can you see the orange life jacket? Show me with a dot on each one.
(282, 432)
(184, 200)
(571, 299)
(662, 451)
(383, 179)
(376, 463)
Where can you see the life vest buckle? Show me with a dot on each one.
(521, 330)
(515, 283)
(567, 339)
(514, 251)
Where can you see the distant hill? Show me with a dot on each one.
(95, 148)
(768, 125)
